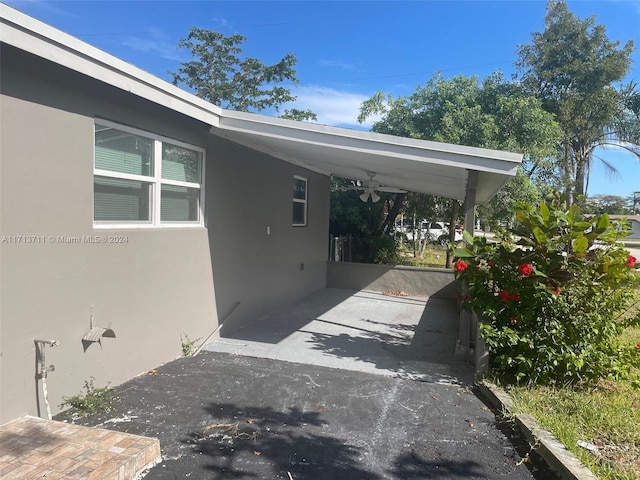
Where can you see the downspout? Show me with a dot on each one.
(43, 370)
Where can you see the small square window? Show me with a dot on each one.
(299, 201)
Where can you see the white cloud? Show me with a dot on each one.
(333, 107)
(155, 43)
(44, 5)
(336, 64)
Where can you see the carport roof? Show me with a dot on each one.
(406, 163)
(413, 165)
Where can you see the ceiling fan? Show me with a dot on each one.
(370, 187)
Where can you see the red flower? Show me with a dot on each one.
(513, 321)
(460, 266)
(504, 296)
(631, 261)
(465, 298)
(525, 269)
(515, 297)
(638, 345)
(556, 291)
(454, 296)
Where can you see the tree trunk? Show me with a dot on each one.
(568, 174)
(582, 166)
(580, 174)
(393, 212)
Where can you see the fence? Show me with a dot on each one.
(340, 248)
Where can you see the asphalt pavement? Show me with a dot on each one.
(225, 416)
(341, 385)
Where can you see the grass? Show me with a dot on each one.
(433, 256)
(606, 415)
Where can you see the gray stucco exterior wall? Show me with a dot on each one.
(416, 281)
(158, 283)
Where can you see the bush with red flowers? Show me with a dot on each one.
(552, 295)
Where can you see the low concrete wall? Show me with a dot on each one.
(432, 282)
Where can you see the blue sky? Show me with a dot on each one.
(347, 51)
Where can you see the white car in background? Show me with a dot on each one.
(438, 232)
(434, 232)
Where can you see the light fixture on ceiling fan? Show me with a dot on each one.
(371, 187)
(375, 198)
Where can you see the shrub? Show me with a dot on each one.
(95, 399)
(552, 296)
(374, 249)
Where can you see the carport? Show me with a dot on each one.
(472, 175)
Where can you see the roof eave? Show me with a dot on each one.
(38, 38)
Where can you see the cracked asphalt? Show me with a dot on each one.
(226, 416)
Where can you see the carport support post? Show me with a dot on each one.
(465, 335)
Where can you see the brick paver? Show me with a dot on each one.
(32, 447)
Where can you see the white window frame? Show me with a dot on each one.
(156, 181)
(300, 200)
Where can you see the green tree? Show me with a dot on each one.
(610, 204)
(218, 74)
(366, 222)
(575, 70)
(300, 115)
(462, 110)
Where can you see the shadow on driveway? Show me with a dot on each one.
(224, 416)
(410, 337)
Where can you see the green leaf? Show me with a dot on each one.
(573, 212)
(603, 222)
(580, 244)
(462, 253)
(541, 237)
(467, 237)
(544, 212)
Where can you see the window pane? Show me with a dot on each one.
(123, 152)
(299, 189)
(183, 164)
(299, 213)
(179, 204)
(121, 200)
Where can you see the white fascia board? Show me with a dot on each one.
(473, 158)
(37, 38)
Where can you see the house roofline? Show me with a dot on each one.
(38, 38)
(351, 153)
(233, 120)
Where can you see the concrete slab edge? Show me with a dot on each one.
(552, 451)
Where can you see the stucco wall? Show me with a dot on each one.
(263, 270)
(159, 283)
(428, 282)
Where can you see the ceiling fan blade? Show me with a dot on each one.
(390, 189)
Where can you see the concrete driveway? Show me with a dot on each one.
(343, 385)
(407, 337)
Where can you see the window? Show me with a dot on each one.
(141, 179)
(299, 201)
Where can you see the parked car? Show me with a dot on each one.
(434, 232)
(438, 232)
